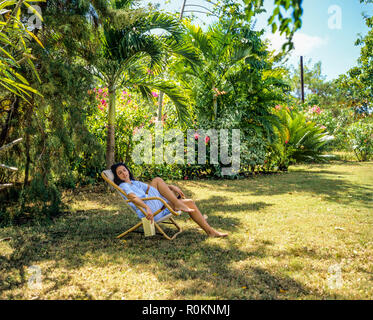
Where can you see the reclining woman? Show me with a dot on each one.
(136, 190)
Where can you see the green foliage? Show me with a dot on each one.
(128, 54)
(360, 138)
(286, 16)
(298, 140)
(14, 51)
(57, 149)
(363, 74)
(40, 200)
(335, 122)
(233, 86)
(132, 114)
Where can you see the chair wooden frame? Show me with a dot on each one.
(108, 176)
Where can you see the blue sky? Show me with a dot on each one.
(329, 31)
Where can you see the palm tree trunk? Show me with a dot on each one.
(110, 141)
(160, 103)
(215, 104)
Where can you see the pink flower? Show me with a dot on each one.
(100, 90)
(154, 94)
(196, 136)
(323, 127)
(286, 142)
(207, 139)
(185, 178)
(124, 92)
(278, 107)
(316, 109)
(103, 101)
(129, 101)
(149, 71)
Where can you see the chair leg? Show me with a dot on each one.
(180, 230)
(161, 231)
(165, 235)
(158, 228)
(130, 230)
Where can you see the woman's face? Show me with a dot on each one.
(123, 173)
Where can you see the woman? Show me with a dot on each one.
(136, 190)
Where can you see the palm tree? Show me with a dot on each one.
(235, 77)
(130, 54)
(221, 60)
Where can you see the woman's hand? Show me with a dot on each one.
(177, 190)
(149, 214)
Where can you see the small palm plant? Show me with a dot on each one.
(298, 140)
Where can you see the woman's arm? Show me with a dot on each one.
(137, 201)
(177, 190)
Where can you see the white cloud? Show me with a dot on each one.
(304, 44)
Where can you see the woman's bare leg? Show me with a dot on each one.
(201, 221)
(165, 191)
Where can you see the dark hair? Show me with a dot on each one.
(117, 180)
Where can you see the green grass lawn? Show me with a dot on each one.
(287, 233)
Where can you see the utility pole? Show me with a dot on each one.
(302, 78)
(182, 10)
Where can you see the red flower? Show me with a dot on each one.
(196, 136)
(286, 142)
(185, 178)
(207, 139)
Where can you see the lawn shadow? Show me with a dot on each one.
(218, 204)
(333, 190)
(316, 183)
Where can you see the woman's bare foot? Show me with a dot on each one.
(183, 207)
(217, 234)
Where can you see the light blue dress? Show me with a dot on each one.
(139, 188)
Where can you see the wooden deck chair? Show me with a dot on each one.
(108, 176)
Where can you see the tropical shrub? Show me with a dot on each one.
(298, 140)
(335, 122)
(232, 87)
(360, 139)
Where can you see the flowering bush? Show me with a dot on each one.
(335, 124)
(360, 140)
(132, 114)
